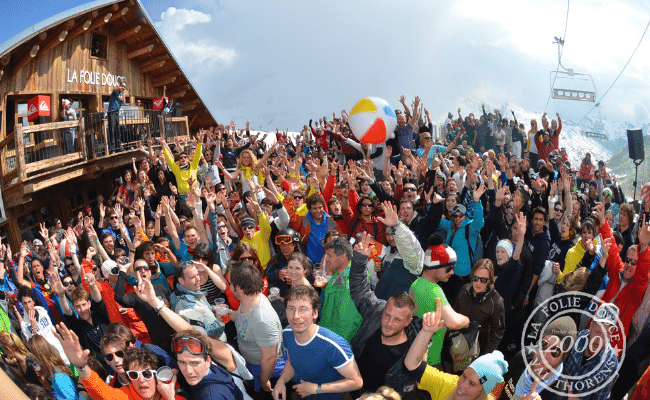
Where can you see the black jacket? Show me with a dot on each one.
(488, 310)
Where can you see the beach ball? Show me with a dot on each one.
(372, 120)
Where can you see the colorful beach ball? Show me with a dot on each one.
(372, 120)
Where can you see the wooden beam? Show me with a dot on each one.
(27, 57)
(147, 63)
(178, 89)
(139, 52)
(189, 107)
(124, 11)
(69, 24)
(80, 29)
(191, 102)
(164, 82)
(154, 66)
(166, 76)
(125, 34)
(5, 59)
(20, 152)
(178, 95)
(42, 36)
(54, 41)
(101, 21)
(116, 7)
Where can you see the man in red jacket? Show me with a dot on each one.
(627, 280)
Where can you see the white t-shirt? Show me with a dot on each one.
(44, 328)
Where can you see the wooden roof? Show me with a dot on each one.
(129, 23)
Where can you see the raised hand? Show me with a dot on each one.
(600, 210)
(478, 192)
(71, 346)
(556, 268)
(363, 246)
(43, 231)
(57, 286)
(644, 235)
(390, 214)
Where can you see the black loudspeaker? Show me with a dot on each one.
(635, 144)
(178, 110)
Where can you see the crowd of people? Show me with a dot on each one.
(234, 266)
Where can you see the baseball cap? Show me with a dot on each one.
(607, 314)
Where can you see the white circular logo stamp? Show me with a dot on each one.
(546, 358)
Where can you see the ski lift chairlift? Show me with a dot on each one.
(570, 85)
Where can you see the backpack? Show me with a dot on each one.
(460, 348)
(475, 254)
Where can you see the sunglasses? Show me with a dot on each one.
(141, 269)
(283, 239)
(113, 217)
(368, 205)
(631, 261)
(222, 226)
(189, 343)
(409, 189)
(558, 210)
(459, 208)
(511, 206)
(67, 283)
(187, 264)
(555, 351)
(297, 197)
(478, 278)
(459, 215)
(110, 356)
(248, 258)
(248, 227)
(95, 269)
(146, 374)
(69, 265)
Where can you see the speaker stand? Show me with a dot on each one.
(636, 174)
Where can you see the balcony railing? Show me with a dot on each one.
(32, 150)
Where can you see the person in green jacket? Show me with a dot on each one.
(339, 314)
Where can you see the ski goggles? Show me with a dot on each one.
(283, 239)
(189, 343)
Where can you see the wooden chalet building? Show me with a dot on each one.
(51, 167)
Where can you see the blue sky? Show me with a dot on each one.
(278, 64)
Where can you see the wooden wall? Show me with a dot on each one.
(48, 74)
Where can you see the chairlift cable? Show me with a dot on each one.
(560, 50)
(619, 74)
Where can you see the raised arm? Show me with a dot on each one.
(220, 352)
(168, 218)
(432, 322)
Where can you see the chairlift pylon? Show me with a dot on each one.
(566, 84)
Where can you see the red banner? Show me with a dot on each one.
(159, 103)
(39, 106)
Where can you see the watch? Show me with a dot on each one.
(319, 390)
(159, 306)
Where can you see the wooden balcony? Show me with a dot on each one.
(37, 157)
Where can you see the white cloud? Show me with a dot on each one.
(191, 48)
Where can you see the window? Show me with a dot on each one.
(99, 46)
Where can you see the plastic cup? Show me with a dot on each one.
(164, 374)
(224, 313)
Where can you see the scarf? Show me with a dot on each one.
(526, 382)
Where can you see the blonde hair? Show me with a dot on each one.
(576, 280)
(47, 357)
(13, 342)
(241, 158)
(383, 393)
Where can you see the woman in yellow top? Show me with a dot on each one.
(184, 169)
(476, 382)
(249, 169)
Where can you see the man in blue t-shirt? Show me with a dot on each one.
(113, 114)
(320, 362)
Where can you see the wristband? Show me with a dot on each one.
(81, 368)
(159, 306)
